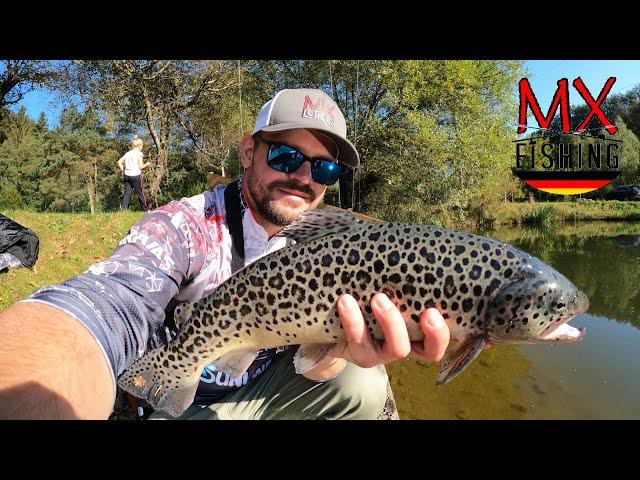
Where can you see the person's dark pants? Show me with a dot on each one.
(133, 184)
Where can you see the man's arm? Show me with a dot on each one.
(121, 164)
(141, 164)
(51, 366)
(58, 343)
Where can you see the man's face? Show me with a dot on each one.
(279, 198)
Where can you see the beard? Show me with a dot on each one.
(268, 208)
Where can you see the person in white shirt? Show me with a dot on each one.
(131, 165)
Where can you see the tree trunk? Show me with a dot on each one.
(161, 167)
(91, 192)
(346, 189)
(95, 182)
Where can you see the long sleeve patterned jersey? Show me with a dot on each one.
(179, 252)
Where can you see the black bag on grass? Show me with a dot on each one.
(19, 241)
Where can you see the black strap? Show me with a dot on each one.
(234, 222)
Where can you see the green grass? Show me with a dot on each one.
(69, 243)
(599, 210)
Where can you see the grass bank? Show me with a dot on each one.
(69, 243)
(557, 212)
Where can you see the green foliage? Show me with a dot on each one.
(543, 216)
(434, 136)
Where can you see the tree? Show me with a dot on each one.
(158, 94)
(19, 77)
(84, 154)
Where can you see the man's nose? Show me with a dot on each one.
(303, 173)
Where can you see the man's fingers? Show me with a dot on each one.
(396, 337)
(359, 341)
(436, 335)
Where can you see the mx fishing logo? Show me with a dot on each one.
(561, 156)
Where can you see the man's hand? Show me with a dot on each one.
(366, 352)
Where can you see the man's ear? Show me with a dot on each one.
(247, 147)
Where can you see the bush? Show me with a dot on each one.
(543, 216)
(10, 198)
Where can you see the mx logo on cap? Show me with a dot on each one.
(319, 111)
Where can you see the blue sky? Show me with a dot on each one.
(542, 74)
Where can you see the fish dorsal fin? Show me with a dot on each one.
(318, 223)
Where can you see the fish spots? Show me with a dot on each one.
(297, 293)
(393, 258)
(313, 284)
(354, 257)
(427, 255)
(449, 288)
(495, 283)
(326, 260)
(459, 250)
(467, 305)
(374, 236)
(495, 265)
(378, 266)
(328, 280)
(475, 272)
(276, 281)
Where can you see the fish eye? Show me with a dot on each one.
(560, 305)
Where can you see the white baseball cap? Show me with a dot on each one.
(308, 108)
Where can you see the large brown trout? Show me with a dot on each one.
(487, 291)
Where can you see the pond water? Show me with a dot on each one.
(597, 378)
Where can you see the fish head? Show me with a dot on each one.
(535, 306)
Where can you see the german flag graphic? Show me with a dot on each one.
(567, 183)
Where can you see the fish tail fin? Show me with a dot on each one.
(161, 387)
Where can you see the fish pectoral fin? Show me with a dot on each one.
(310, 355)
(235, 363)
(182, 313)
(458, 357)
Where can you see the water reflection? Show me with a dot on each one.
(596, 378)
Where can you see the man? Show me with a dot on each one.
(65, 346)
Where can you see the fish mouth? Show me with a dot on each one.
(560, 331)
